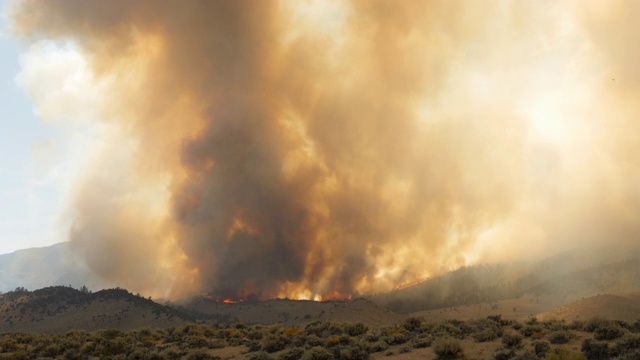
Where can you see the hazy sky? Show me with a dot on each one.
(30, 198)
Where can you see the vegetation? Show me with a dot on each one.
(326, 340)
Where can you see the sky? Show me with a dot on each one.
(317, 149)
(30, 196)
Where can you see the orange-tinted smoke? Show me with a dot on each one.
(258, 153)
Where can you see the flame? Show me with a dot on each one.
(414, 283)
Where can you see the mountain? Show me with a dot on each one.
(36, 268)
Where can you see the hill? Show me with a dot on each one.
(59, 309)
(609, 306)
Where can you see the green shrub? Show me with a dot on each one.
(447, 330)
(447, 348)
(594, 323)
(562, 354)
(626, 344)
(353, 352)
(512, 340)
(631, 355)
(487, 329)
(532, 330)
(19, 355)
(378, 346)
(412, 324)
(171, 353)
(527, 355)
(504, 354)
(422, 342)
(541, 348)
(201, 354)
(608, 331)
(559, 337)
(260, 355)
(593, 350)
(356, 329)
(292, 354)
(272, 343)
(317, 353)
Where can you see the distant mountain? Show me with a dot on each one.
(36, 268)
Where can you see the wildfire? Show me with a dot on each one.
(231, 301)
(223, 300)
(404, 286)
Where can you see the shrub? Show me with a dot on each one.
(541, 348)
(627, 343)
(353, 353)
(201, 354)
(317, 353)
(171, 353)
(631, 355)
(378, 346)
(448, 330)
(395, 339)
(608, 331)
(527, 355)
(487, 329)
(292, 354)
(422, 342)
(532, 330)
(561, 354)
(260, 355)
(19, 355)
(559, 337)
(272, 343)
(593, 350)
(412, 324)
(447, 348)
(504, 354)
(512, 340)
(594, 323)
(356, 329)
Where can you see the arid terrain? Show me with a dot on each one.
(508, 311)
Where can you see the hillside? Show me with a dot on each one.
(609, 306)
(59, 309)
(569, 275)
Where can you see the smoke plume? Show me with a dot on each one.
(312, 149)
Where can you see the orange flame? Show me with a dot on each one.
(404, 286)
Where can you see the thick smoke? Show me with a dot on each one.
(321, 149)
